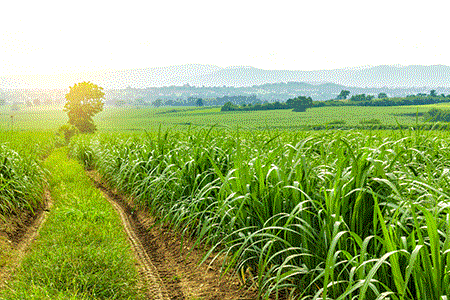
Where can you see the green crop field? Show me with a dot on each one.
(34, 118)
(297, 214)
(328, 215)
(145, 118)
(21, 173)
(119, 119)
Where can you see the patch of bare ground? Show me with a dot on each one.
(17, 232)
(168, 270)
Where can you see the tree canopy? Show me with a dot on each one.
(369, 100)
(84, 100)
(158, 103)
(343, 95)
(199, 102)
(300, 103)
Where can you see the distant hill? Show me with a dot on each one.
(242, 76)
(265, 92)
(379, 76)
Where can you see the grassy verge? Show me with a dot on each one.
(81, 252)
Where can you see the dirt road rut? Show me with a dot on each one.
(169, 273)
(24, 230)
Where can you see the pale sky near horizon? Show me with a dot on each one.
(53, 37)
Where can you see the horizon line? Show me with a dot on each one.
(106, 70)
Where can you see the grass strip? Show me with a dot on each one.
(81, 252)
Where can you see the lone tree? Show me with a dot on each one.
(157, 103)
(83, 102)
(229, 107)
(343, 95)
(300, 103)
(382, 95)
(199, 102)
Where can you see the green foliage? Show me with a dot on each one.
(148, 118)
(235, 99)
(83, 102)
(82, 251)
(343, 95)
(362, 97)
(68, 131)
(229, 107)
(21, 174)
(437, 115)
(158, 103)
(363, 100)
(328, 215)
(299, 104)
(282, 119)
(382, 96)
(21, 182)
(337, 122)
(199, 102)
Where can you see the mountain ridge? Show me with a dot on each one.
(391, 76)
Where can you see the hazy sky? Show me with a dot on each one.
(51, 37)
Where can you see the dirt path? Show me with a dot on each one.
(18, 237)
(168, 272)
(149, 273)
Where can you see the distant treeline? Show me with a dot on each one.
(198, 101)
(383, 100)
(247, 107)
(356, 100)
(253, 102)
(298, 104)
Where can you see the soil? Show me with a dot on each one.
(17, 232)
(168, 270)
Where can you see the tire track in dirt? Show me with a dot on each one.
(168, 272)
(21, 238)
(149, 273)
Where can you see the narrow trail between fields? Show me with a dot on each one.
(168, 272)
(22, 235)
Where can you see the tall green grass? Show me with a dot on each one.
(328, 215)
(81, 252)
(21, 174)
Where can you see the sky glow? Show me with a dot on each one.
(53, 37)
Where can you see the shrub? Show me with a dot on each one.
(67, 131)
